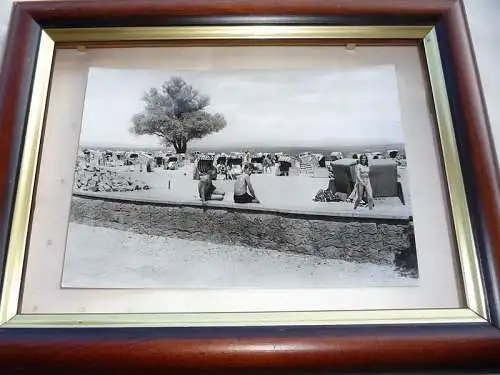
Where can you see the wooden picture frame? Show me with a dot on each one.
(469, 341)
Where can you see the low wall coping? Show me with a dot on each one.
(247, 208)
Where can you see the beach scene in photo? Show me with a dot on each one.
(222, 179)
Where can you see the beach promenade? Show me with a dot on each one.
(292, 193)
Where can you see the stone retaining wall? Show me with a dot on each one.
(353, 239)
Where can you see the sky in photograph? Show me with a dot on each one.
(266, 108)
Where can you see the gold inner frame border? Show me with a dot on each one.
(475, 310)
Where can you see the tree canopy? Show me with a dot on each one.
(177, 114)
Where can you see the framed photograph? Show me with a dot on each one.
(277, 186)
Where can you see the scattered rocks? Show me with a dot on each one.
(102, 179)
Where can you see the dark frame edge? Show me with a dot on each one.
(16, 80)
(114, 13)
(123, 9)
(269, 349)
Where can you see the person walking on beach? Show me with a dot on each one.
(267, 163)
(206, 188)
(247, 158)
(241, 185)
(363, 184)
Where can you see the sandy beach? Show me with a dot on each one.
(107, 258)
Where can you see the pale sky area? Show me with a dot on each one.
(262, 108)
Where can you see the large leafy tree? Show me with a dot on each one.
(177, 114)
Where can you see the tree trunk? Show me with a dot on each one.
(183, 147)
(180, 146)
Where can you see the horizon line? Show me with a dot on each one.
(360, 144)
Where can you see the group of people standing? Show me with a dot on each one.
(243, 188)
(268, 161)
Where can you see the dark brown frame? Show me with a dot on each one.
(270, 349)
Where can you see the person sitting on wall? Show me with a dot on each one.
(242, 184)
(207, 189)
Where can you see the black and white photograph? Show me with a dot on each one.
(289, 178)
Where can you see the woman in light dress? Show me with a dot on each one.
(363, 185)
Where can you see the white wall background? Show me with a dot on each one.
(483, 18)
